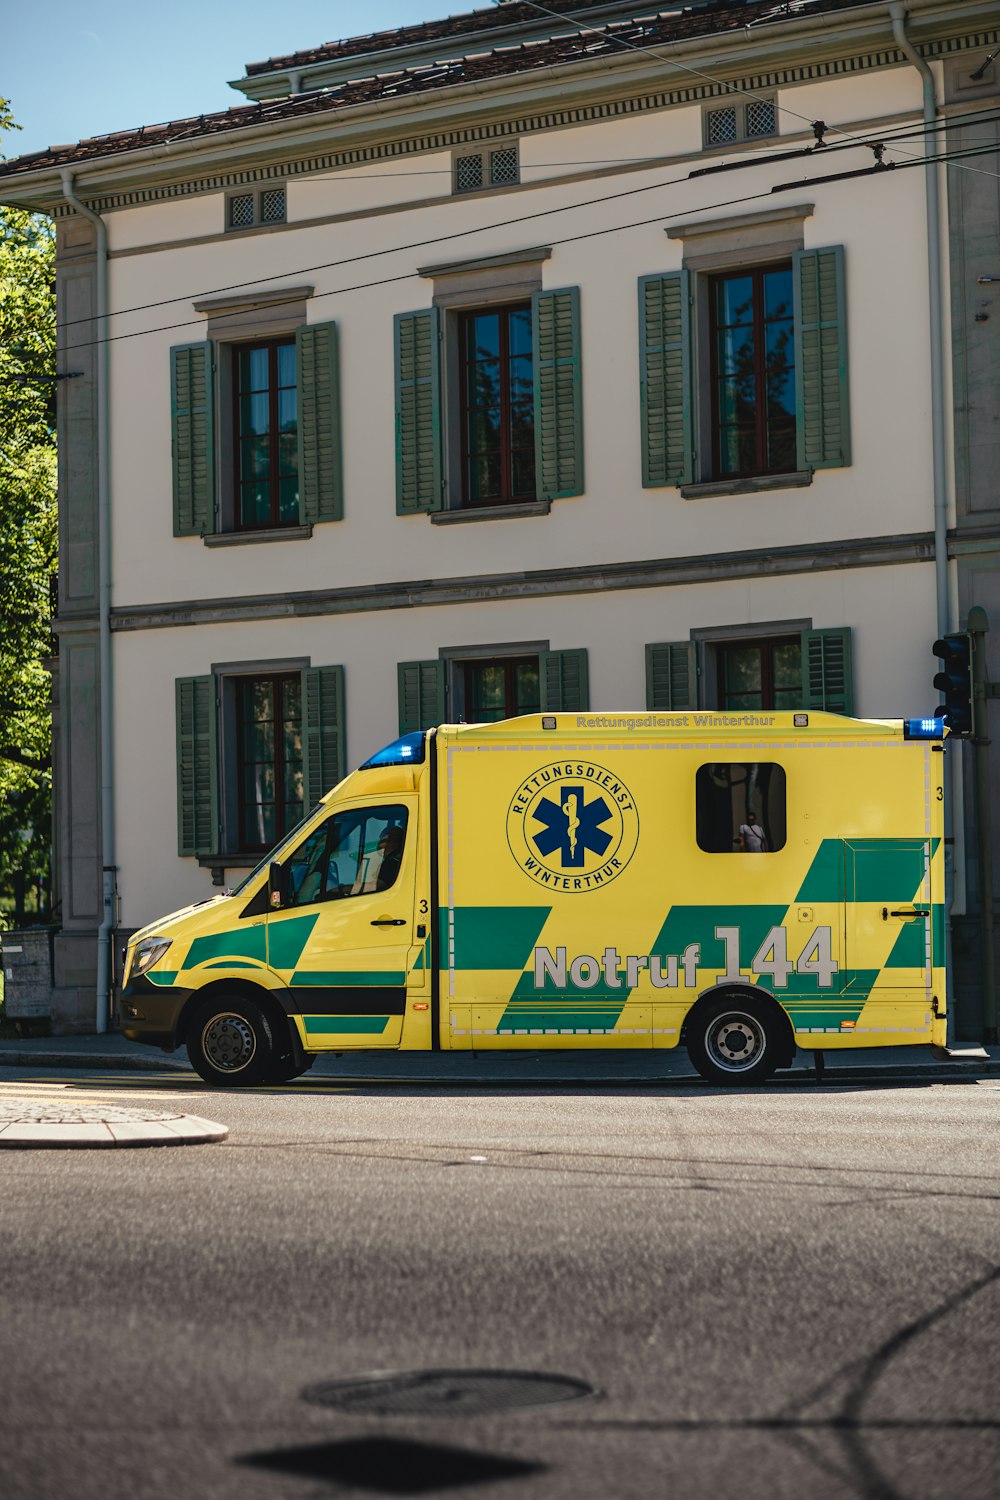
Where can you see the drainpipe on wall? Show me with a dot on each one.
(897, 12)
(954, 827)
(104, 967)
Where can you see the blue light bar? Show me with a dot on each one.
(923, 729)
(407, 751)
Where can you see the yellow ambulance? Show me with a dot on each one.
(742, 884)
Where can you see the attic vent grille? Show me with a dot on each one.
(272, 206)
(468, 174)
(497, 168)
(761, 117)
(736, 122)
(503, 166)
(241, 211)
(721, 127)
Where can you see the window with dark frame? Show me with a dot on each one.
(270, 784)
(753, 372)
(498, 413)
(501, 689)
(266, 431)
(760, 674)
(741, 807)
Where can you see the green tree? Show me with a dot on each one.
(27, 543)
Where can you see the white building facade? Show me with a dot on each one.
(446, 383)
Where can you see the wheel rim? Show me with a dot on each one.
(228, 1042)
(735, 1041)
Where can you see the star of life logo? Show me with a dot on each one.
(572, 826)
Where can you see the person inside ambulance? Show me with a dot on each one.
(380, 851)
(391, 848)
(752, 840)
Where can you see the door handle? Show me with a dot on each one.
(909, 911)
(389, 922)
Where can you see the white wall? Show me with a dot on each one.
(886, 491)
(891, 610)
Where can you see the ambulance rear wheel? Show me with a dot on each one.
(230, 1043)
(733, 1040)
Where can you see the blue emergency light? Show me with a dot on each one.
(408, 750)
(923, 729)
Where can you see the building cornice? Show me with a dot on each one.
(516, 104)
(770, 562)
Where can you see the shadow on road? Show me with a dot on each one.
(393, 1466)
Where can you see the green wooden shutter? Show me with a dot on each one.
(671, 675)
(827, 673)
(419, 468)
(421, 695)
(192, 439)
(555, 322)
(321, 490)
(197, 766)
(323, 732)
(564, 680)
(666, 395)
(821, 388)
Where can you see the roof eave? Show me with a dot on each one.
(247, 146)
(327, 71)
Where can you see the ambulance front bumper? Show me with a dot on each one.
(151, 1013)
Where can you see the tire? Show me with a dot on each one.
(230, 1043)
(734, 1040)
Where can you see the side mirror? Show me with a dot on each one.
(277, 884)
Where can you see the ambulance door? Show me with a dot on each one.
(344, 939)
(888, 916)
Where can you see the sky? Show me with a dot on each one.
(71, 71)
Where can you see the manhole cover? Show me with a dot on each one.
(445, 1393)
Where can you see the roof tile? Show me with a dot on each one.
(645, 31)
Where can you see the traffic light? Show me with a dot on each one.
(955, 682)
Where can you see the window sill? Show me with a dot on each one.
(752, 485)
(490, 512)
(228, 861)
(248, 538)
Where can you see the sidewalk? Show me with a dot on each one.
(113, 1051)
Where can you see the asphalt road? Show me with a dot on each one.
(792, 1292)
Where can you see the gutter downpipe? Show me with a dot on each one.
(104, 968)
(897, 12)
(953, 827)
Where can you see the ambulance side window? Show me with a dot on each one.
(306, 868)
(740, 807)
(366, 850)
(354, 853)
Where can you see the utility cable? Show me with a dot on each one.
(762, 159)
(695, 72)
(565, 240)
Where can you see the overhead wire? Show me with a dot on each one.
(762, 159)
(659, 218)
(695, 72)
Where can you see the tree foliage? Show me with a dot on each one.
(28, 535)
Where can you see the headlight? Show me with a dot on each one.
(147, 954)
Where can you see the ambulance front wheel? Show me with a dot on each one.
(734, 1040)
(229, 1042)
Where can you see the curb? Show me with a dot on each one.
(29, 1125)
(959, 1068)
(92, 1060)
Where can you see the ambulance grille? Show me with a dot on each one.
(445, 1393)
